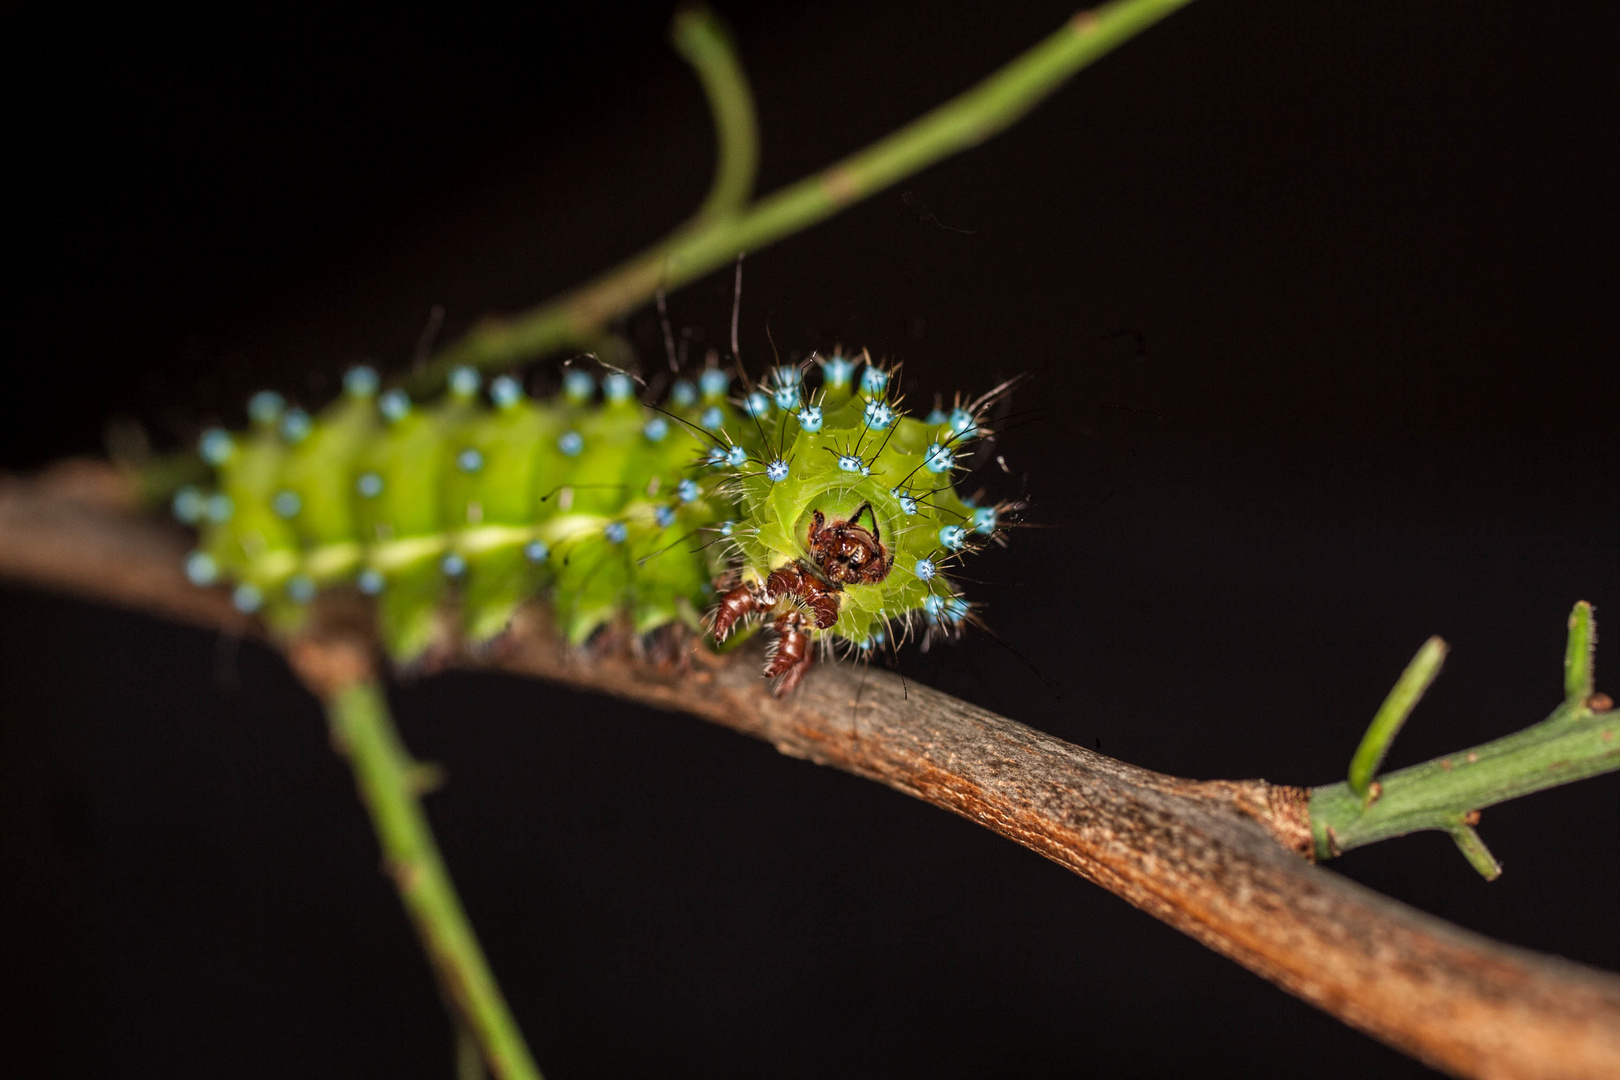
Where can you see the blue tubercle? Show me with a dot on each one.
(935, 418)
(810, 418)
(220, 508)
(908, 503)
(536, 551)
(371, 582)
(266, 407)
(683, 394)
(985, 520)
(470, 460)
(655, 429)
(360, 382)
(616, 532)
(618, 387)
(300, 589)
(201, 569)
(716, 384)
(571, 443)
(665, 516)
(296, 425)
(688, 491)
(879, 414)
(286, 504)
(836, 371)
(454, 564)
(736, 457)
(953, 537)
(394, 405)
(247, 598)
(189, 505)
(369, 484)
(505, 392)
(926, 569)
(464, 382)
(776, 471)
(216, 446)
(578, 386)
(963, 425)
(758, 404)
(712, 418)
(874, 380)
(939, 458)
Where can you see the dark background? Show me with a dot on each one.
(1370, 251)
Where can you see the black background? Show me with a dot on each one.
(1370, 250)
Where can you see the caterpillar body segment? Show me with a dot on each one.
(829, 513)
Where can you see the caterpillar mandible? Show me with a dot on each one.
(831, 514)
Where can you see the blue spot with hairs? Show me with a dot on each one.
(810, 418)
(939, 458)
(201, 569)
(836, 371)
(953, 537)
(935, 418)
(715, 383)
(879, 415)
(655, 429)
(247, 598)
(717, 456)
(189, 505)
(470, 460)
(371, 582)
(683, 394)
(851, 463)
(578, 386)
(220, 509)
(962, 424)
(758, 404)
(908, 504)
(688, 491)
(786, 398)
(536, 551)
(874, 380)
(984, 520)
(454, 564)
(286, 504)
(776, 471)
(216, 446)
(712, 418)
(265, 407)
(394, 405)
(296, 425)
(505, 392)
(465, 381)
(956, 609)
(369, 484)
(618, 387)
(726, 527)
(736, 457)
(571, 443)
(616, 532)
(926, 569)
(300, 588)
(665, 516)
(879, 636)
(933, 605)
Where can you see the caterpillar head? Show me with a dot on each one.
(846, 552)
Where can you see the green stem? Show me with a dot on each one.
(1577, 741)
(389, 782)
(1392, 714)
(693, 251)
(701, 39)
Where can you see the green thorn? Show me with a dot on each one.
(1392, 714)
(1474, 850)
(1578, 653)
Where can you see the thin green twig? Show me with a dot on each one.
(389, 781)
(703, 41)
(1386, 724)
(1580, 739)
(960, 123)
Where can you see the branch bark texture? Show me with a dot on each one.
(1223, 861)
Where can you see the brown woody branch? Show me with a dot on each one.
(1219, 860)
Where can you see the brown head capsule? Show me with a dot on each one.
(847, 553)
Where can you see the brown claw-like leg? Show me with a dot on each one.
(741, 602)
(792, 655)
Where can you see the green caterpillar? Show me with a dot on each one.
(833, 513)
